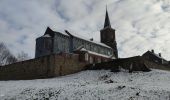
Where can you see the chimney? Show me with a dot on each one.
(159, 54)
(152, 51)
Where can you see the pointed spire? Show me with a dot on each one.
(107, 20)
(49, 31)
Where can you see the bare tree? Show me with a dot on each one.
(5, 55)
(22, 56)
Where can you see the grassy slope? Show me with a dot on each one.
(91, 85)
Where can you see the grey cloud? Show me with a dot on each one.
(140, 25)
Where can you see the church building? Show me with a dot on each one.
(92, 51)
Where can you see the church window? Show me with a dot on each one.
(78, 43)
(86, 57)
(102, 51)
(88, 46)
(98, 49)
(95, 48)
(91, 59)
(99, 60)
(94, 59)
(108, 53)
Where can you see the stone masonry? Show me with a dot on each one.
(43, 67)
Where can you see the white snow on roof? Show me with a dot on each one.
(95, 53)
(86, 39)
(46, 35)
(95, 42)
(157, 55)
(91, 85)
(61, 33)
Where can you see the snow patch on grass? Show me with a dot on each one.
(90, 85)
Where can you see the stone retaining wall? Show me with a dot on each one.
(43, 67)
(132, 64)
(157, 66)
(64, 64)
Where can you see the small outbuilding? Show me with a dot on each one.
(153, 57)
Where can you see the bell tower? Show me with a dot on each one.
(107, 35)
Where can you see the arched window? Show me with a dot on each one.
(91, 59)
(86, 56)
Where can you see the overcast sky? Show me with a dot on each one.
(140, 25)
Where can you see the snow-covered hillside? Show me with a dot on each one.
(91, 85)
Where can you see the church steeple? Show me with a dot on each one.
(107, 20)
(107, 35)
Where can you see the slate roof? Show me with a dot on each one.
(86, 39)
(107, 20)
(95, 53)
(156, 55)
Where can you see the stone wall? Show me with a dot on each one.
(137, 63)
(132, 64)
(157, 66)
(43, 67)
(68, 64)
(64, 64)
